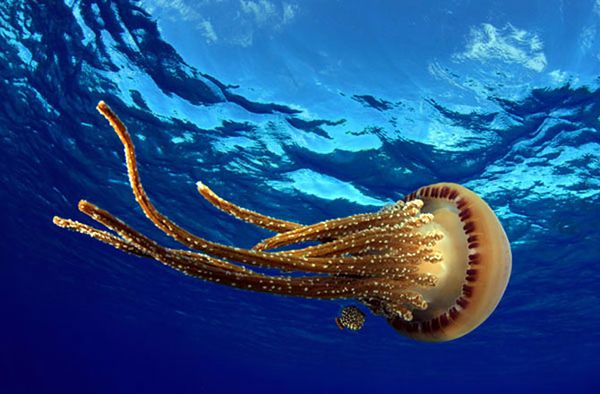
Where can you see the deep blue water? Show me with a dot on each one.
(305, 110)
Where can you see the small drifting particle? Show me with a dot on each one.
(351, 318)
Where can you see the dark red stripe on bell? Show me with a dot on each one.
(468, 291)
(471, 275)
(444, 192)
(472, 238)
(444, 321)
(435, 192)
(474, 256)
(453, 313)
(473, 245)
(453, 194)
(462, 302)
(435, 324)
(469, 227)
(475, 260)
(461, 204)
(465, 214)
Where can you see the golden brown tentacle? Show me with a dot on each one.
(388, 266)
(388, 238)
(329, 229)
(367, 265)
(392, 294)
(209, 268)
(379, 276)
(143, 243)
(244, 214)
(179, 258)
(335, 228)
(102, 236)
(340, 266)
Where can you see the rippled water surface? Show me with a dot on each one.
(304, 110)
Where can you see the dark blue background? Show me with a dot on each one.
(304, 111)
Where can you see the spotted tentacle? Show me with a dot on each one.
(266, 222)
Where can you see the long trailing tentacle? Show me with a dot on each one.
(339, 227)
(266, 222)
(353, 243)
(204, 267)
(388, 266)
(148, 248)
(143, 243)
(392, 293)
(372, 258)
(102, 236)
(361, 265)
(371, 241)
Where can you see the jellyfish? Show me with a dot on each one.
(434, 264)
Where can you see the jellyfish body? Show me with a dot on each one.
(474, 272)
(434, 265)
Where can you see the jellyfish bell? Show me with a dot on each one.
(474, 271)
(434, 265)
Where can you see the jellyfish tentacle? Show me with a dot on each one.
(404, 312)
(412, 299)
(390, 238)
(373, 266)
(338, 266)
(175, 231)
(264, 221)
(141, 241)
(339, 227)
(146, 247)
(364, 268)
(329, 229)
(131, 241)
(102, 236)
(343, 246)
(360, 265)
(136, 238)
(381, 259)
(207, 270)
(368, 266)
(326, 287)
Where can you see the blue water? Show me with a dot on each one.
(303, 110)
